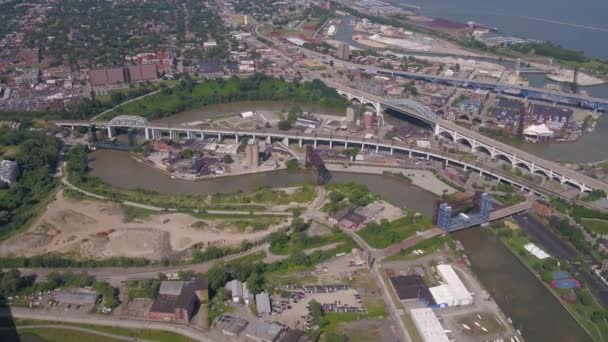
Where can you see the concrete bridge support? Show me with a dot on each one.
(111, 132)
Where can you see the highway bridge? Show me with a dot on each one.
(537, 165)
(577, 100)
(476, 141)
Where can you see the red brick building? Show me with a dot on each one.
(178, 301)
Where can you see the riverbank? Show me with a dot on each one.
(424, 179)
(585, 323)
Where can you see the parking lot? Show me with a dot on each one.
(295, 310)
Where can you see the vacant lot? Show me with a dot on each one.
(385, 234)
(596, 225)
(98, 229)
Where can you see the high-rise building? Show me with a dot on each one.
(444, 216)
(344, 51)
(351, 114)
(255, 160)
(252, 153)
(485, 206)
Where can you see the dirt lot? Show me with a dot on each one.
(98, 229)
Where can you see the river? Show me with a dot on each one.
(121, 170)
(519, 294)
(533, 309)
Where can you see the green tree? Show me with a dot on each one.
(217, 276)
(255, 283)
(292, 164)
(187, 153)
(284, 125)
(227, 159)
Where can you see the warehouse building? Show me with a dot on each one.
(77, 297)
(178, 301)
(453, 292)
(429, 327)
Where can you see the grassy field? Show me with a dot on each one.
(254, 223)
(9, 151)
(59, 335)
(596, 225)
(190, 95)
(65, 335)
(426, 246)
(382, 235)
(304, 194)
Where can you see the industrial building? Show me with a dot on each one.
(412, 288)
(262, 303)
(453, 292)
(429, 327)
(232, 326)
(252, 153)
(239, 291)
(344, 51)
(177, 301)
(77, 297)
(262, 331)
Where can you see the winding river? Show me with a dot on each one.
(517, 291)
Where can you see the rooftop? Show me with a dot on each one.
(262, 330)
(173, 288)
(81, 296)
(428, 325)
(262, 302)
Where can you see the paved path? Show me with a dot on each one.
(71, 186)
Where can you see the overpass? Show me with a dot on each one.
(476, 141)
(157, 131)
(578, 100)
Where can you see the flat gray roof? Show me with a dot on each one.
(173, 288)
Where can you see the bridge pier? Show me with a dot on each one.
(286, 141)
(300, 142)
(111, 132)
(409, 153)
(331, 144)
(147, 134)
(315, 143)
(377, 148)
(392, 152)
(219, 137)
(345, 144)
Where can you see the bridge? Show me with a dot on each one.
(313, 159)
(577, 100)
(157, 131)
(476, 141)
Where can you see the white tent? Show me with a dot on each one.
(538, 132)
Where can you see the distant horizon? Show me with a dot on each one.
(580, 28)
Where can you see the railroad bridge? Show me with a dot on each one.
(476, 141)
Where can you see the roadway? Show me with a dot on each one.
(499, 146)
(381, 143)
(489, 84)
